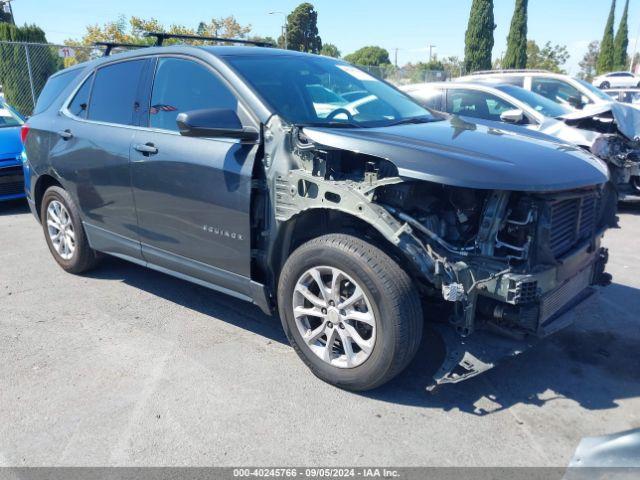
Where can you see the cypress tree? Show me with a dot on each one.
(606, 57)
(621, 41)
(516, 56)
(479, 36)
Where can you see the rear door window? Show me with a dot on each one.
(80, 103)
(182, 85)
(114, 93)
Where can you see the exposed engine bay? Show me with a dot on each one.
(509, 263)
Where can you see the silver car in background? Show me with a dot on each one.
(630, 96)
(509, 107)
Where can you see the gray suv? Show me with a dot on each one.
(312, 189)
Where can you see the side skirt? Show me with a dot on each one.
(183, 268)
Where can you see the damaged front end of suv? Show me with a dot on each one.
(510, 240)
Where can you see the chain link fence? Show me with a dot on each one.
(409, 74)
(25, 68)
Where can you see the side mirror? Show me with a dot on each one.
(214, 122)
(512, 116)
(576, 102)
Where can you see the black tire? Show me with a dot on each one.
(394, 300)
(84, 258)
(604, 85)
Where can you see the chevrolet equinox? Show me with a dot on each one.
(315, 190)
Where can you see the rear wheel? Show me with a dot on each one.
(350, 312)
(64, 232)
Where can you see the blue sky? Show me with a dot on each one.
(409, 25)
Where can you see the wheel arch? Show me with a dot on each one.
(42, 184)
(318, 221)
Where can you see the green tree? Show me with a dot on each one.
(589, 61)
(621, 41)
(132, 30)
(550, 57)
(260, 38)
(330, 50)
(478, 42)
(516, 56)
(14, 71)
(606, 59)
(302, 30)
(370, 56)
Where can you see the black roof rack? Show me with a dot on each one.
(161, 37)
(111, 45)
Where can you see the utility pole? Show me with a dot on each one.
(395, 60)
(431, 47)
(284, 28)
(635, 49)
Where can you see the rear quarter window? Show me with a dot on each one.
(53, 88)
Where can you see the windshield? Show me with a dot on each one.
(595, 91)
(313, 90)
(539, 103)
(9, 118)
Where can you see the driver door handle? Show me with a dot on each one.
(146, 148)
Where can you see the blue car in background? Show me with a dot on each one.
(11, 174)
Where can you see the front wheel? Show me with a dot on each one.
(350, 312)
(604, 85)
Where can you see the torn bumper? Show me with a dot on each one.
(514, 311)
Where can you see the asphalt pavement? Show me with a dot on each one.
(127, 366)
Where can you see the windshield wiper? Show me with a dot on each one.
(330, 125)
(413, 120)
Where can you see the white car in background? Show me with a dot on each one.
(617, 79)
(512, 108)
(563, 89)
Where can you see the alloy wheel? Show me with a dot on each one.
(60, 230)
(334, 317)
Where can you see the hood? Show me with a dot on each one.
(10, 144)
(459, 153)
(627, 118)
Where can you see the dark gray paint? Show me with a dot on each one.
(190, 184)
(95, 164)
(459, 153)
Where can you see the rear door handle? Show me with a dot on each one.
(65, 134)
(146, 148)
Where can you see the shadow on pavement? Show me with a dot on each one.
(590, 362)
(595, 363)
(194, 297)
(14, 207)
(629, 208)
